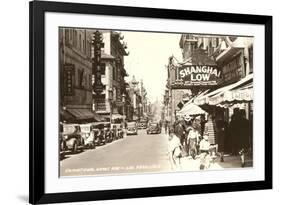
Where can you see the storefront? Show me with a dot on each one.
(79, 116)
(222, 104)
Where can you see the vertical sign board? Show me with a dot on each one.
(68, 74)
(97, 67)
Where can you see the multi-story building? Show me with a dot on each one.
(75, 68)
(228, 61)
(111, 100)
(197, 72)
(224, 55)
(134, 93)
(144, 101)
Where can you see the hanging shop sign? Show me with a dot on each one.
(197, 75)
(97, 65)
(68, 73)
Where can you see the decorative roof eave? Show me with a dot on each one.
(199, 57)
(230, 51)
(105, 56)
(124, 72)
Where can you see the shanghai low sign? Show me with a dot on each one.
(197, 75)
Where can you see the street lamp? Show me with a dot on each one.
(110, 98)
(140, 110)
(124, 101)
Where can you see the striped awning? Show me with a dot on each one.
(85, 114)
(240, 91)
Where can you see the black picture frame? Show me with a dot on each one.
(37, 9)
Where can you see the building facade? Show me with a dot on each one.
(75, 69)
(230, 60)
(111, 100)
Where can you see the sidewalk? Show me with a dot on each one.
(189, 164)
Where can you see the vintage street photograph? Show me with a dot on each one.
(136, 102)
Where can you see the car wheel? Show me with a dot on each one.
(75, 148)
(82, 147)
(62, 155)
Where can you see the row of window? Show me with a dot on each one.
(78, 40)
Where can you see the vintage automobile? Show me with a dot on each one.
(132, 128)
(73, 138)
(62, 142)
(142, 124)
(62, 145)
(88, 135)
(117, 132)
(117, 128)
(153, 128)
(107, 133)
(99, 134)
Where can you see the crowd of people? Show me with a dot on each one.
(188, 136)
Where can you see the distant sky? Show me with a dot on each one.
(149, 53)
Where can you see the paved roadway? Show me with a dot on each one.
(140, 153)
(132, 154)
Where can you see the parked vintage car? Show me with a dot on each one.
(99, 134)
(153, 128)
(62, 145)
(108, 133)
(88, 135)
(132, 128)
(62, 142)
(73, 138)
(142, 124)
(117, 128)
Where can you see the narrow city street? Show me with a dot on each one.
(140, 153)
(134, 153)
(203, 96)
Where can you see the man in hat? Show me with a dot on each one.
(188, 128)
(193, 140)
(180, 129)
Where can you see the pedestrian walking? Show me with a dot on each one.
(193, 141)
(166, 126)
(204, 153)
(180, 131)
(174, 149)
(244, 136)
(188, 127)
(233, 132)
(221, 126)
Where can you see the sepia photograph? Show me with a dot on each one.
(136, 102)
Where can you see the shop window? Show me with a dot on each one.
(113, 72)
(90, 81)
(71, 35)
(81, 78)
(251, 59)
(102, 69)
(80, 42)
(75, 39)
(66, 36)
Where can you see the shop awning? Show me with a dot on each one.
(135, 118)
(239, 95)
(85, 114)
(240, 91)
(117, 116)
(191, 109)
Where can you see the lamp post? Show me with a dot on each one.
(124, 101)
(110, 98)
(140, 110)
